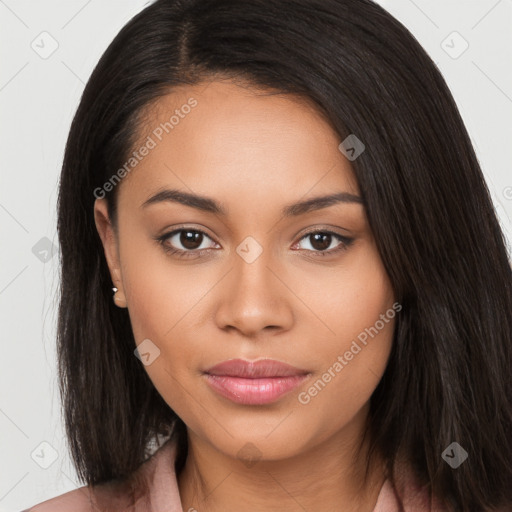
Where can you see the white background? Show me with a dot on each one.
(38, 98)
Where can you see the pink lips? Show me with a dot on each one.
(254, 383)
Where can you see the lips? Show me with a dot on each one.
(255, 370)
(254, 383)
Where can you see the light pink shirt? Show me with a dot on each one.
(165, 497)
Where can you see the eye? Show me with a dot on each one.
(189, 239)
(321, 241)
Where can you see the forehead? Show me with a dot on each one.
(238, 144)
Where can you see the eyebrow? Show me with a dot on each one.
(210, 205)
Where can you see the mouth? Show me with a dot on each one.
(254, 383)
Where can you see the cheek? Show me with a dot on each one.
(357, 306)
(349, 369)
(348, 298)
(336, 396)
(160, 293)
(163, 300)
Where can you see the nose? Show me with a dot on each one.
(254, 297)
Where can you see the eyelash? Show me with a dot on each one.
(195, 253)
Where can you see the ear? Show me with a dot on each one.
(109, 240)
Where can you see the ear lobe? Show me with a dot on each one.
(108, 239)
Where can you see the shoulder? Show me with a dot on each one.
(157, 471)
(78, 500)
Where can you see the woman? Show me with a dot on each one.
(313, 298)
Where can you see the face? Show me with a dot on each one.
(303, 286)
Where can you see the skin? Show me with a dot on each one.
(254, 153)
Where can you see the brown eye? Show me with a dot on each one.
(191, 239)
(321, 241)
(185, 242)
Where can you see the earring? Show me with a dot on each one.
(118, 301)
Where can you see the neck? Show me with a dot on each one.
(324, 477)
